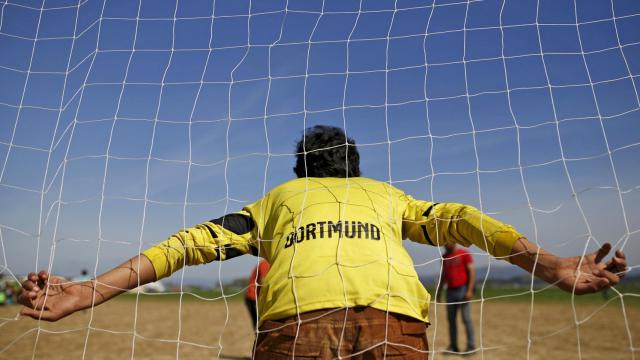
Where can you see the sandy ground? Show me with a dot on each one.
(213, 329)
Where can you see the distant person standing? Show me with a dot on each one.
(253, 290)
(459, 275)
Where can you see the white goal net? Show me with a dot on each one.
(124, 121)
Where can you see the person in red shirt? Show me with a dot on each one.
(256, 280)
(459, 275)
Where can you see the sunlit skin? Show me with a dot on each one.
(577, 274)
(50, 298)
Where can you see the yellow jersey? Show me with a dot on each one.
(334, 243)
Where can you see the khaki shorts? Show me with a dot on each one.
(356, 333)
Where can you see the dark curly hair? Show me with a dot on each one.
(328, 153)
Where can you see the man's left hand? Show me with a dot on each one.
(589, 274)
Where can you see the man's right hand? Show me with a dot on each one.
(52, 298)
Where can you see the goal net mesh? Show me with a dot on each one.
(124, 121)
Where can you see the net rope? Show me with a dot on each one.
(91, 20)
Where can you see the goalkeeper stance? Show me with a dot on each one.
(341, 283)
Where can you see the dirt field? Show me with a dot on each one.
(209, 331)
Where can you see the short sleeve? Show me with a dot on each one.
(468, 259)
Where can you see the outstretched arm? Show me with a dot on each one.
(52, 298)
(439, 224)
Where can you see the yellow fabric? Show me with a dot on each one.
(199, 245)
(460, 224)
(335, 242)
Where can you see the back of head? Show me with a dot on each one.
(325, 151)
(450, 247)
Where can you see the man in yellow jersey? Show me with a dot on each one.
(341, 283)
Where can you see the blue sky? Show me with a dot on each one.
(510, 106)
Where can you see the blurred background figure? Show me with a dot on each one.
(8, 292)
(459, 275)
(84, 276)
(256, 279)
(3, 295)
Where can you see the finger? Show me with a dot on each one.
(602, 252)
(30, 286)
(616, 269)
(595, 285)
(24, 298)
(30, 312)
(38, 314)
(31, 303)
(28, 293)
(613, 278)
(620, 256)
(43, 276)
(617, 263)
